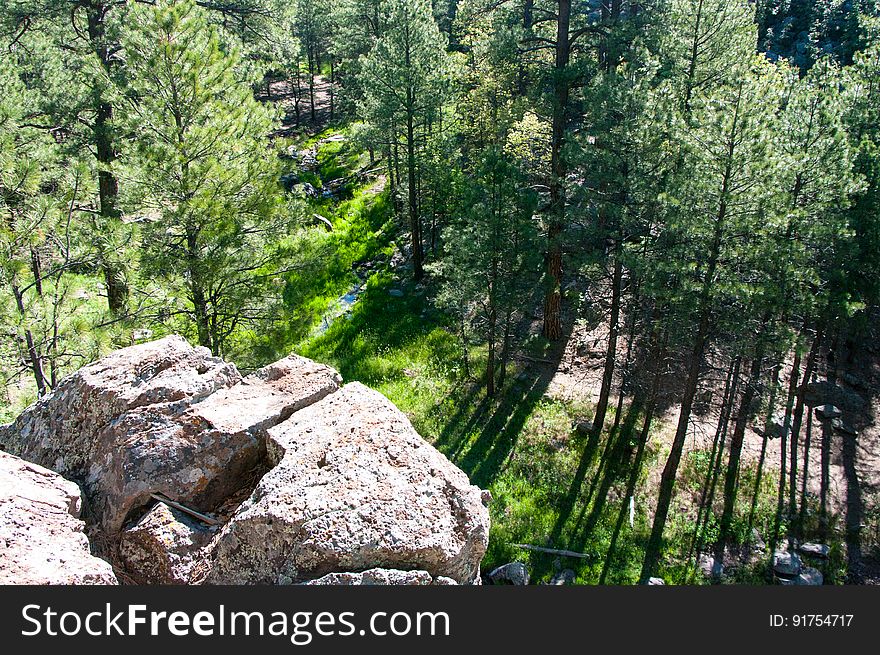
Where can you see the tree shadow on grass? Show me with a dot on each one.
(481, 442)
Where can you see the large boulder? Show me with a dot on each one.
(354, 487)
(60, 431)
(41, 536)
(199, 454)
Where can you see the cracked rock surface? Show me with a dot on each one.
(354, 487)
(41, 537)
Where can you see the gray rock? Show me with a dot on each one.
(842, 427)
(384, 577)
(815, 550)
(395, 293)
(163, 547)
(786, 565)
(758, 543)
(828, 412)
(656, 582)
(514, 573)
(354, 487)
(826, 393)
(854, 381)
(810, 577)
(564, 577)
(41, 537)
(709, 566)
(776, 427)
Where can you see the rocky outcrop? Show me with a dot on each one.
(60, 431)
(41, 537)
(163, 418)
(342, 485)
(353, 487)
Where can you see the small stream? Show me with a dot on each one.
(342, 307)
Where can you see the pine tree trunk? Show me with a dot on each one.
(670, 471)
(505, 348)
(105, 154)
(659, 352)
(311, 64)
(783, 447)
(805, 478)
(793, 528)
(771, 405)
(731, 480)
(414, 218)
(611, 350)
(553, 298)
(707, 495)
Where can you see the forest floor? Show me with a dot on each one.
(854, 473)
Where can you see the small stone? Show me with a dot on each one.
(656, 582)
(828, 412)
(564, 577)
(514, 573)
(395, 293)
(815, 550)
(709, 566)
(758, 541)
(842, 427)
(786, 565)
(810, 577)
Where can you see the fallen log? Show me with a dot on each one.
(553, 551)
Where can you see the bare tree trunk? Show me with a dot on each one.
(611, 350)
(553, 298)
(707, 495)
(771, 406)
(731, 480)
(793, 528)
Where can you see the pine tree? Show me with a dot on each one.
(404, 80)
(203, 168)
(491, 259)
(39, 245)
(724, 177)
